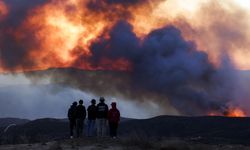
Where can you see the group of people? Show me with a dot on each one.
(98, 118)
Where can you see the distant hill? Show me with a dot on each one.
(208, 129)
(6, 121)
(39, 130)
(201, 129)
(35, 131)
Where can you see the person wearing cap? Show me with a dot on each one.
(72, 118)
(80, 117)
(91, 118)
(113, 119)
(102, 116)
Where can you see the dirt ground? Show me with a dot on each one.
(121, 144)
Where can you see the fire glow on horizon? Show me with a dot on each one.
(231, 112)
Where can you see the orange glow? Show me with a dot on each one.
(63, 35)
(230, 112)
(235, 112)
(3, 10)
(64, 30)
(58, 33)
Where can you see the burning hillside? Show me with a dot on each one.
(160, 56)
(230, 112)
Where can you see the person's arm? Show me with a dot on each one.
(119, 116)
(106, 111)
(109, 115)
(68, 113)
(97, 112)
(84, 112)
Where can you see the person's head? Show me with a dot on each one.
(113, 104)
(102, 99)
(80, 102)
(93, 101)
(74, 103)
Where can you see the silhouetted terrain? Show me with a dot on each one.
(202, 129)
(6, 121)
(214, 130)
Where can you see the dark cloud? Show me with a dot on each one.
(14, 49)
(98, 5)
(166, 64)
(18, 11)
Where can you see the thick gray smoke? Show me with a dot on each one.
(165, 63)
(165, 69)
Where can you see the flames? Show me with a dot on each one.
(3, 10)
(59, 33)
(235, 112)
(64, 30)
(230, 112)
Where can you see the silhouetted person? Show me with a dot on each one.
(114, 119)
(102, 116)
(91, 118)
(80, 117)
(72, 118)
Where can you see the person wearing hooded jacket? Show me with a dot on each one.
(72, 118)
(80, 117)
(91, 118)
(113, 119)
(101, 117)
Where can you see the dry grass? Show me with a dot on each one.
(56, 146)
(172, 144)
(134, 143)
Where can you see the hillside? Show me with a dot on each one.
(215, 130)
(202, 129)
(6, 121)
(122, 144)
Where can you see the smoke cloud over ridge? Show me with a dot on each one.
(165, 60)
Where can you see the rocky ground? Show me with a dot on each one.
(121, 144)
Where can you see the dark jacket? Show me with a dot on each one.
(80, 112)
(92, 112)
(102, 111)
(114, 115)
(72, 112)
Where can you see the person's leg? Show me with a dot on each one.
(92, 127)
(110, 129)
(80, 127)
(83, 128)
(77, 128)
(101, 126)
(104, 131)
(89, 128)
(98, 124)
(71, 126)
(115, 129)
(74, 127)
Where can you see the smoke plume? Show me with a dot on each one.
(170, 63)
